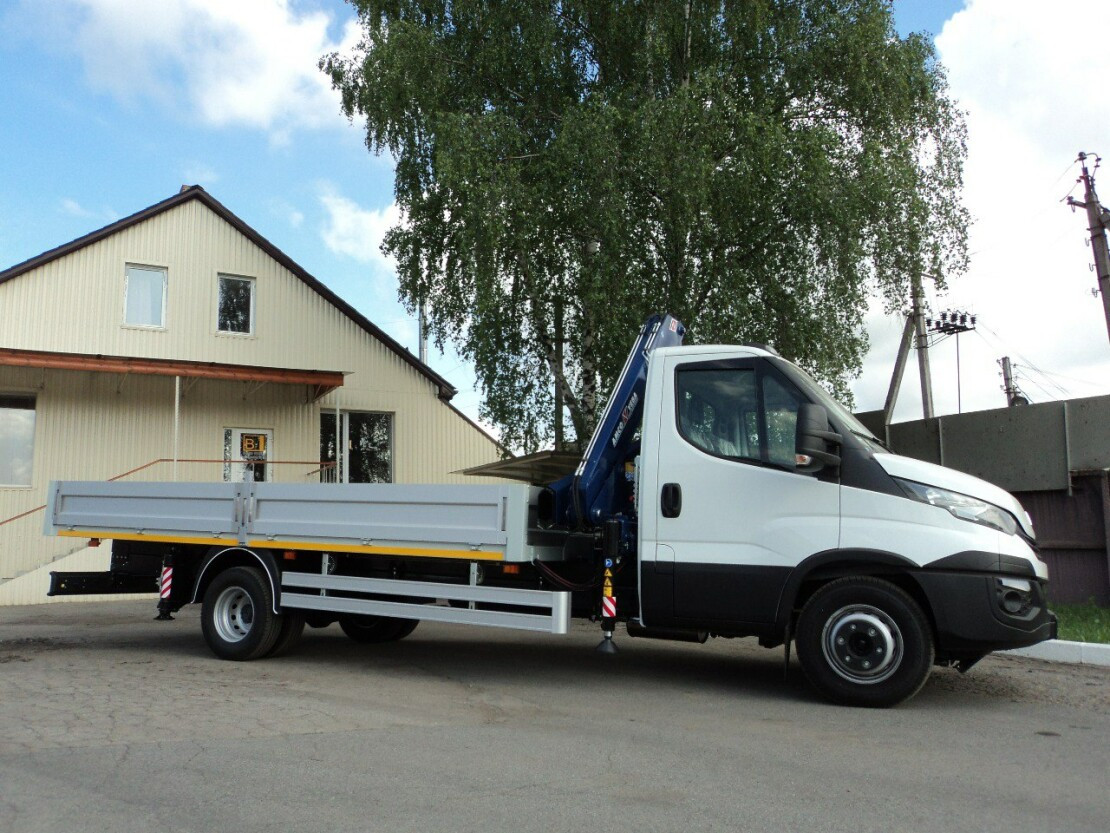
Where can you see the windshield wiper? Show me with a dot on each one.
(872, 438)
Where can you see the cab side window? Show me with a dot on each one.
(781, 406)
(739, 413)
(718, 411)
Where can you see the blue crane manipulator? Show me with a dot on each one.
(590, 499)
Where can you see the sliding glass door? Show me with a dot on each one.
(364, 452)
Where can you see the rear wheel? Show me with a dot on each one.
(374, 629)
(238, 619)
(318, 618)
(292, 629)
(864, 642)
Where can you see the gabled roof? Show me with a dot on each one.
(195, 192)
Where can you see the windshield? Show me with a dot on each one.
(839, 414)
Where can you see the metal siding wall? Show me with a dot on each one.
(95, 426)
(90, 427)
(1072, 532)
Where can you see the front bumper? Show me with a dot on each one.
(971, 618)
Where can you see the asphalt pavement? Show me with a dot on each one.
(110, 721)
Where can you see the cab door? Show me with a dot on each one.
(732, 512)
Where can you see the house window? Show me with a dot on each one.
(17, 439)
(236, 305)
(144, 303)
(366, 440)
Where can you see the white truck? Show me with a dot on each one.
(724, 494)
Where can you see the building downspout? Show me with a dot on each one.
(176, 421)
(338, 445)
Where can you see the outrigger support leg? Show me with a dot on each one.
(608, 612)
(165, 589)
(607, 645)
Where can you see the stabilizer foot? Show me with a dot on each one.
(607, 645)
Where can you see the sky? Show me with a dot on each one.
(108, 106)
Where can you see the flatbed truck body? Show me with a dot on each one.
(723, 493)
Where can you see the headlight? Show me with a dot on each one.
(965, 507)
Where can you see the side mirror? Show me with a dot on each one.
(812, 440)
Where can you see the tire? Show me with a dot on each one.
(376, 629)
(864, 642)
(238, 619)
(292, 629)
(318, 618)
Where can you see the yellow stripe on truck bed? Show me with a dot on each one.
(313, 546)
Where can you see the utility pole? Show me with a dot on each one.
(915, 323)
(1013, 395)
(896, 377)
(922, 344)
(1098, 219)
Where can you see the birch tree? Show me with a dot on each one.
(761, 169)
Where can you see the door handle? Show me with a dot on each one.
(671, 500)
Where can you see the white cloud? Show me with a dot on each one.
(70, 206)
(287, 212)
(1018, 70)
(198, 173)
(246, 62)
(357, 232)
(75, 209)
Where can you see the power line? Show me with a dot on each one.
(1028, 362)
(1064, 391)
(1073, 379)
(1034, 382)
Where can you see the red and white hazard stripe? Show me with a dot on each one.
(167, 581)
(608, 607)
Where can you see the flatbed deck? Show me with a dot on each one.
(466, 522)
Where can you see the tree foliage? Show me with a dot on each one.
(758, 168)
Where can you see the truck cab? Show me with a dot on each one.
(876, 564)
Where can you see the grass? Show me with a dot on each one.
(1083, 623)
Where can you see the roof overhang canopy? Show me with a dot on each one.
(538, 469)
(321, 381)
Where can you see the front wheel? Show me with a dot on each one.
(238, 619)
(864, 642)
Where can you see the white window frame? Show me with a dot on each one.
(128, 266)
(19, 394)
(254, 296)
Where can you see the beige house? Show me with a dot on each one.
(178, 343)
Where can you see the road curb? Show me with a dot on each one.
(1060, 650)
